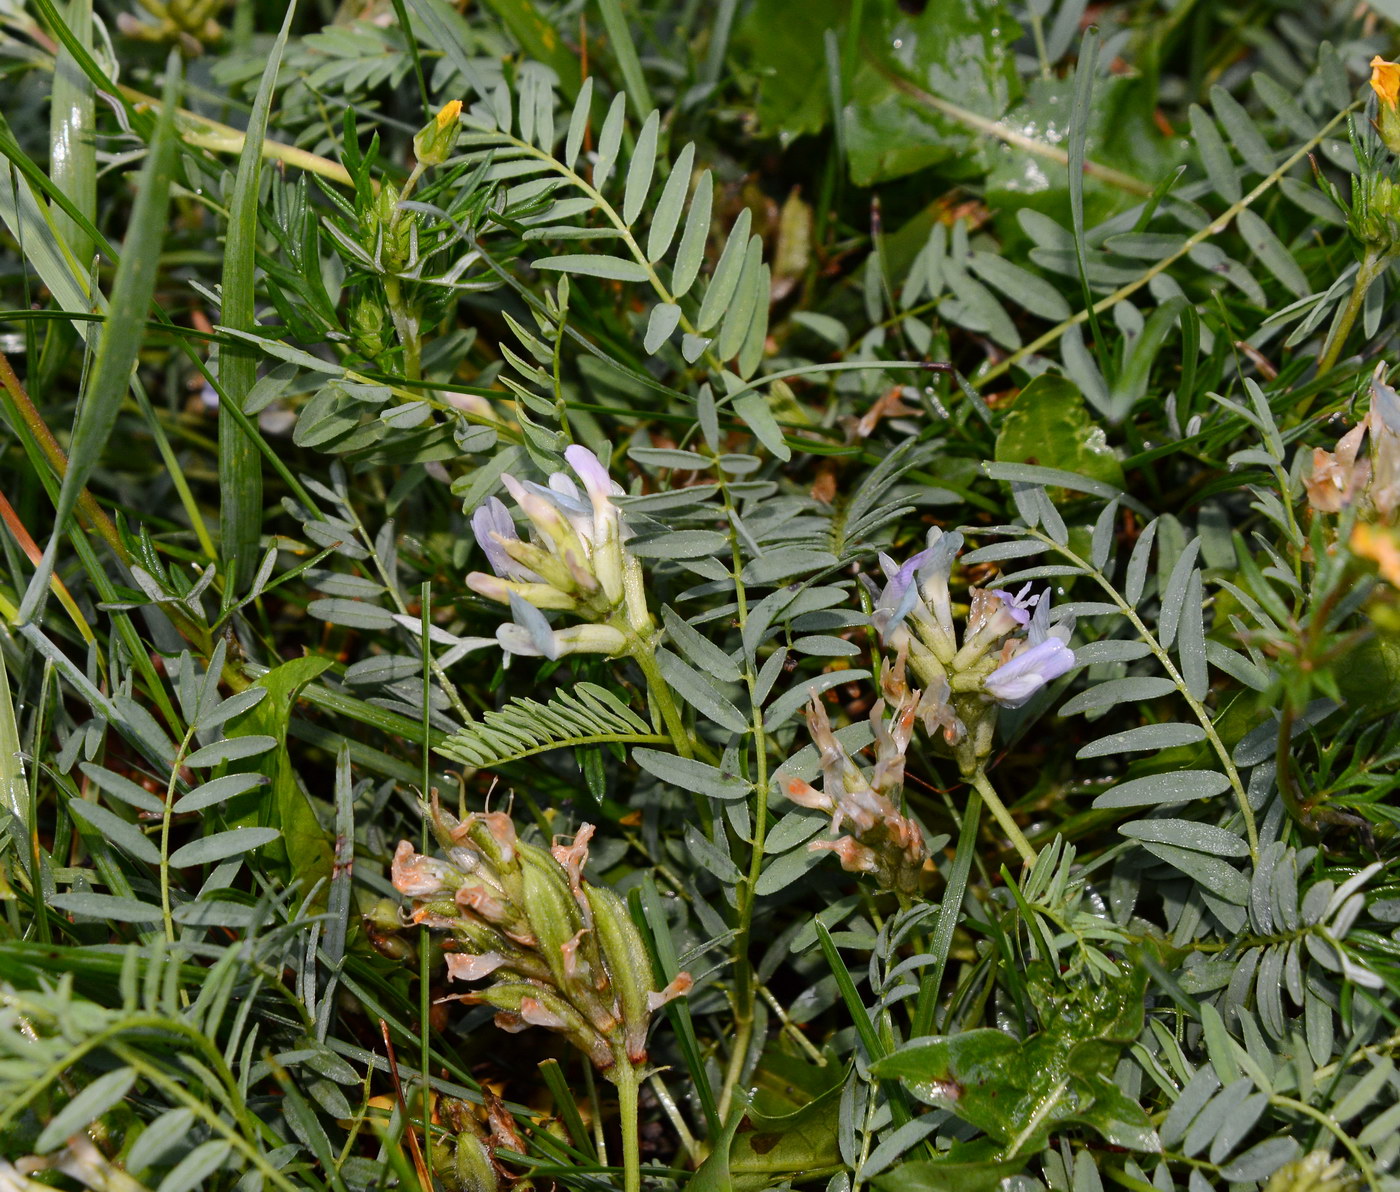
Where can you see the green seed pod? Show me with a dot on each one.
(628, 965)
(474, 1170)
(550, 908)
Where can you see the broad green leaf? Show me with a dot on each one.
(1215, 157)
(753, 410)
(698, 648)
(728, 270)
(195, 1169)
(578, 123)
(158, 1137)
(749, 293)
(609, 141)
(217, 790)
(303, 848)
(1118, 691)
(1049, 426)
(107, 906)
(680, 544)
(665, 317)
(1149, 737)
(122, 788)
(126, 836)
(1205, 838)
(697, 690)
(968, 1167)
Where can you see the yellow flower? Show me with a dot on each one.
(435, 140)
(1381, 546)
(1385, 81)
(450, 111)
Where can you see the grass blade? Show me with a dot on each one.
(240, 468)
(124, 330)
(72, 151)
(625, 51)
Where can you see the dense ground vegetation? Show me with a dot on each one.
(715, 596)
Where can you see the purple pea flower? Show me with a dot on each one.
(1014, 682)
(491, 521)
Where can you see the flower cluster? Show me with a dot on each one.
(881, 841)
(558, 952)
(576, 562)
(1008, 651)
(1340, 477)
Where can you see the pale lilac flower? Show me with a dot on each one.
(576, 639)
(1014, 682)
(992, 614)
(492, 525)
(575, 561)
(914, 611)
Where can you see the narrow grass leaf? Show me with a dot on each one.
(122, 334)
(72, 144)
(240, 462)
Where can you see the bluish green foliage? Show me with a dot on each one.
(734, 597)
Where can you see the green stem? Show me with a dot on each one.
(1358, 1156)
(1003, 816)
(1373, 264)
(165, 915)
(644, 655)
(625, 1077)
(406, 326)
